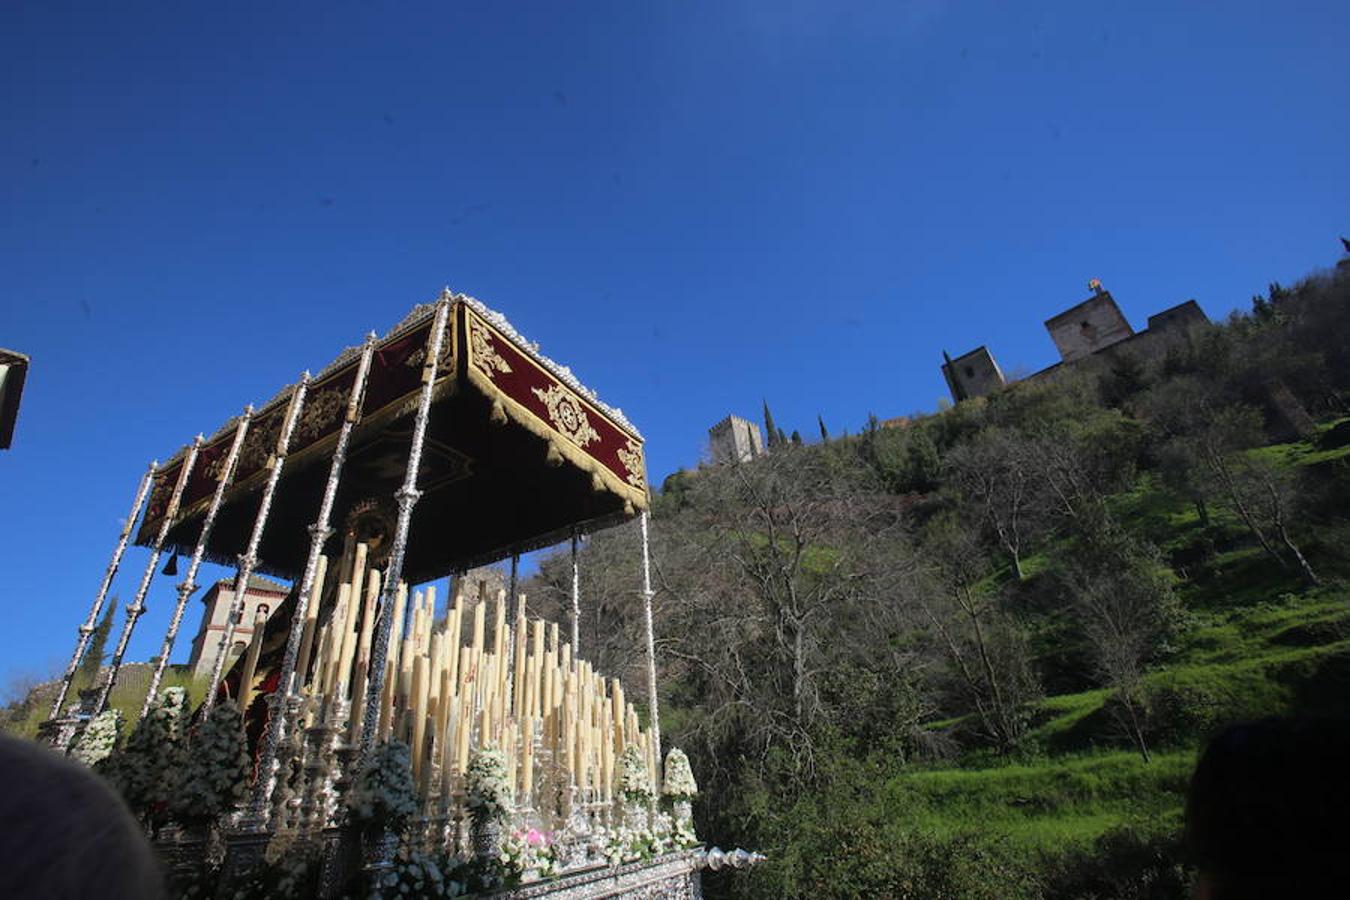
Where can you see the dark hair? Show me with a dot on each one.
(1269, 810)
(65, 834)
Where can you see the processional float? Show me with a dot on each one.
(449, 443)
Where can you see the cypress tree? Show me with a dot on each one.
(770, 432)
(796, 437)
(820, 420)
(87, 674)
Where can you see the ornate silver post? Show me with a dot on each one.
(576, 597)
(91, 623)
(189, 582)
(407, 498)
(137, 605)
(319, 533)
(249, 558)
(655, 724)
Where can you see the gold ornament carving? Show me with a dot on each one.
(260, 441)
(485, 356)
(631, 457)
(418, 357)
(322, 408)
(567, 415)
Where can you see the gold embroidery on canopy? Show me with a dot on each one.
(631, 457)
(485, 356)
(567, 415)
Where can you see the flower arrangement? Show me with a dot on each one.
(679, 783)
(530, 850)
(627, 844)
(635, 783)
(145, 770)
(383, 795)
(216, 774)
(485, 785)
(99, 737)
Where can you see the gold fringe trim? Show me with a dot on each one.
(570, 452)
(498, 416)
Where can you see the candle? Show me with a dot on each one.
(527, 747)
(363, 654)
(349, 630)
(449, 754)
(518, 692)
(251, 660)
(419, 710)
(311, 624)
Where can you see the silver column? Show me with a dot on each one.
(655, 724)
(137, 605)
(319, 533)
(189, 582)
(576, 598)
(407, 498)
(91, 623)
(249, 558)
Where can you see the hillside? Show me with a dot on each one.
(977, 656)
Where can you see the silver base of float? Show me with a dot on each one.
(673, 876)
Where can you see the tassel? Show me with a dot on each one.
(628, 509)
(597, 483)
(171, 567)
(554, 457)
(498, 416)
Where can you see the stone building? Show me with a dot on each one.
(972, 374)
(735, 440)
(1094, 326)
(1088, 327)
(263, 595)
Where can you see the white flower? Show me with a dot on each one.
(634, 780)
(680, 782)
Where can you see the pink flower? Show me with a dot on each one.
(536, 838)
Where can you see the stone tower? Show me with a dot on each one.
(1092, 325)
(972, 374)
(735, 440)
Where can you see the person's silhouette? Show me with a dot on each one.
(1269, 811)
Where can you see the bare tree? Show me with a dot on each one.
(994, 475)
(983, 647)
(1127, 612)
(781, 572)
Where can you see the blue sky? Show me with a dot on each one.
(695, 205)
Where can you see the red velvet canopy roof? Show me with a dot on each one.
(517, 454)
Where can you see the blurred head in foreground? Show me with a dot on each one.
(1269, 811)
(65, 834)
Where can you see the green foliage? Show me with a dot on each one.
(87, 673)
(1119, 533)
